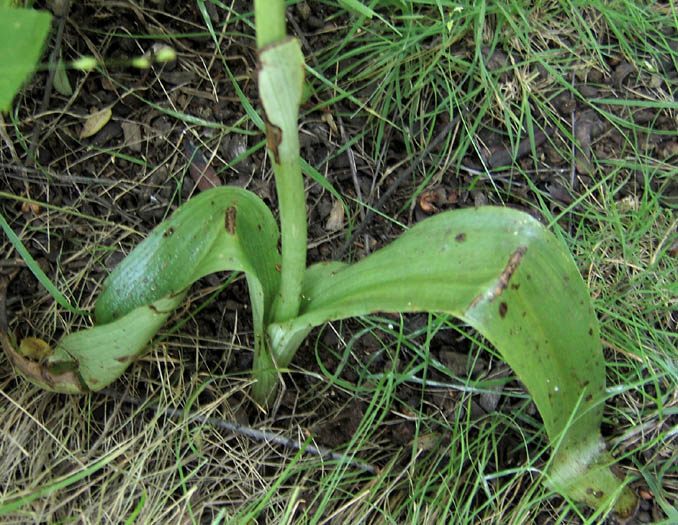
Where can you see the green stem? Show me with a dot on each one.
(265, 372)
(269, 21)
(281, 81)
(290, 188)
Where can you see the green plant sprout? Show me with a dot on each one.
(497, 269)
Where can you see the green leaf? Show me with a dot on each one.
(22, 37)
(225, 228)
(61, 82)
(503, 273)
(100, 355)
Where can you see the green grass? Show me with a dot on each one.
(440, 460)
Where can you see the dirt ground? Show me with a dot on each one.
(105, 192)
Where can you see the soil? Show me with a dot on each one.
(143, 163)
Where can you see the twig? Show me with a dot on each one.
(45, 175)
(252, 433)
(53, 59)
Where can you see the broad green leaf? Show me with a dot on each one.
(22, 37)
(225, 228)
(503, 273)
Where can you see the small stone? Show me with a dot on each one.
(490, 400)
(132, 135)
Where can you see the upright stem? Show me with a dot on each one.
(290, 186)
(280, 75)
(269, 21)
(281, 81)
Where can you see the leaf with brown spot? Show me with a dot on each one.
(149, 284)
(506, 281)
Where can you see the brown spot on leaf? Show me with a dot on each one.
(509, 270)
(503, 308)
(273, 139)
(278, 268)
(168, 232)
(504, 278)
(231, 213)
(461, 237)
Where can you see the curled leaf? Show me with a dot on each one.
(36, 372)
(504, 274)
(95, 122)
(226, 228)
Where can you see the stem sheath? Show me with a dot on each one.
(281, 85)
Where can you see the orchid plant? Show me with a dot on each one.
(497, 269)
